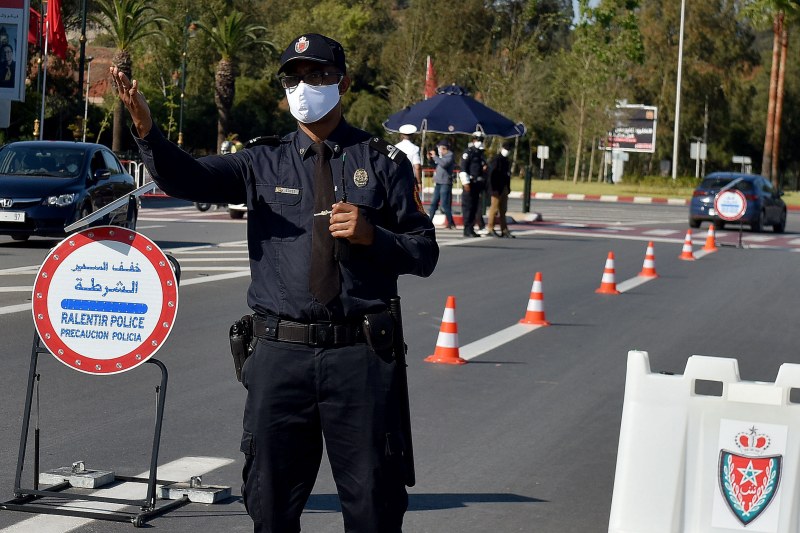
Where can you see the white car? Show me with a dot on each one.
(237, 210)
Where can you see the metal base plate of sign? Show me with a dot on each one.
(39, 500)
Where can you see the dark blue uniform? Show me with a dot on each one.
(473, 163)
(299, 391)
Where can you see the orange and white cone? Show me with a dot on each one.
(535, 312)
(608, 285)
(446, 351)
(711, 240)
(649, 265)
(686, 251)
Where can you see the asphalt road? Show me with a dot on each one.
(522, 438)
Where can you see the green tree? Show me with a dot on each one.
(718, 63)
(606, 43)
(127, 22)
(230, 34)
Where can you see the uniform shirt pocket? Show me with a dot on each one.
(278, 210)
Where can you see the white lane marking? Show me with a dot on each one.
(7, 310)
(217, 269)
(22, 288)
(217, 277)
(192, 220)
(481, 346)
(209, 252)
(632, 283)
(180, 470)
(212, 259)
(32, 269)
(660, 232)
(152, 226)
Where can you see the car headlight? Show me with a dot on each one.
(61, 200)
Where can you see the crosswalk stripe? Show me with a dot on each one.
(179, 470)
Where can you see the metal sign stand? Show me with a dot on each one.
(29, 500)
(26, 500)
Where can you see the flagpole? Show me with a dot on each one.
(44, 78)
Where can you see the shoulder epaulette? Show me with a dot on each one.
(264, 140)
(389, 150)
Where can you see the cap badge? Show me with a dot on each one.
(360, 178)
(301, 45)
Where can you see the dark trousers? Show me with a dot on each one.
(470, 203)
(296, 395)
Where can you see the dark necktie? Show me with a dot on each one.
(324, 274)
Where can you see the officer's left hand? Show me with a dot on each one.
(347, 222)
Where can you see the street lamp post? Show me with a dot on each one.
(86, 103)
(678, 96)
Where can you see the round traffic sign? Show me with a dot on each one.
(105, 300)
(730, 205)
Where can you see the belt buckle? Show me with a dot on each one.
(320, 334)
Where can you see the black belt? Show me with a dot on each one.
(324, 334)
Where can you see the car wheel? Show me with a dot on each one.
(694, 223)
(757, 225)
(202, 206)
(780, 227)
(20, 237)
(236, 214)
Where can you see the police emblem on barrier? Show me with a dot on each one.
(360, 178)
(749, 480)
(301, 45)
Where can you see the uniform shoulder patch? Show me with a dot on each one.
(263, 140)
(389, 150)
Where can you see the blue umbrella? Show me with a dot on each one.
(452, 110)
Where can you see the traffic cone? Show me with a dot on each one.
(711, 240)
(446, 351)
(535, 312)
(686, 251)
(608, 285)
(649, 265)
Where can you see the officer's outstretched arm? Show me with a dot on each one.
(133, 101)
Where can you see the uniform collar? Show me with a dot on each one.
(335, 140)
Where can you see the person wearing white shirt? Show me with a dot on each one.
(411, 150)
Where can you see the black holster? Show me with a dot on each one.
(241, 337)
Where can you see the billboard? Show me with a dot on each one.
(634, 129)
(13, 48)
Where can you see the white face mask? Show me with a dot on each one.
(478, 145)
(504, 152)
(309, 103)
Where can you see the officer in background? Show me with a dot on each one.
(473, 181)
(411, 150)
(313, 372)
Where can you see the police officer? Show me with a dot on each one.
(313, 372)
(473, 182)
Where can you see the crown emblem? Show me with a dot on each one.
(752, 442)
(301, 45)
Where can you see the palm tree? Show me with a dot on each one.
(231, 34)
(126, 21)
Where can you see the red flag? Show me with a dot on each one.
(33, 27)
(56, 36)
(430, 80)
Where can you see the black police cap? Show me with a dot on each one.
(314, 47)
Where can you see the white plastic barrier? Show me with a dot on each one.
(695, 463)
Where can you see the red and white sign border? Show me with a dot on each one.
(150, 344)
(739, 214)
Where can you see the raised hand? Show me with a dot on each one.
(133, 100)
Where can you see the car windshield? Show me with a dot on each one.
(41, 161)
(717, 183)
